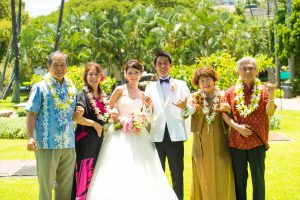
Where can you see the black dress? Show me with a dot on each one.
(87, 147)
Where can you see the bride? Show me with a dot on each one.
(128, 165)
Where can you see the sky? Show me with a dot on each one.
(41, 7)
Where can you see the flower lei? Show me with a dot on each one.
(62, 105)
(243, 109)
(103, 116)
(210, 117)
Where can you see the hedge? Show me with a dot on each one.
(13, 128)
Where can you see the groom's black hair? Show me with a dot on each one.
(162, 54)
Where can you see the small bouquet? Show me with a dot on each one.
(134, 123)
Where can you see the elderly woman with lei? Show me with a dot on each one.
(211, 163)
(252, 104)
(91, 115)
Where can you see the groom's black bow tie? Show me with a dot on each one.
(164, 80)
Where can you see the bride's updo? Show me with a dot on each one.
(135, 64)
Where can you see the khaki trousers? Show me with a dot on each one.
(55, 168)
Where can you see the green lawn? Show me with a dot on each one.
(7, 105)
(282, 166)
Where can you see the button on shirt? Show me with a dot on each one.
(54, 126)
(165, 86)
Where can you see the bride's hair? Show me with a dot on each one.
(134, 64)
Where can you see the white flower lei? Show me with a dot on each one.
(210, 117)
(243, 109)
(100, 116)
(62, 105)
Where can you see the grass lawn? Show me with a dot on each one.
(7, 105)
(282, 166)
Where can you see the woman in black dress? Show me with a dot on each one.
(90, 116)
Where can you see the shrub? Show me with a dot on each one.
(274, 122)
(75, 74)
(13, 128)
(279, 93)
(296, 87)
(22, 113)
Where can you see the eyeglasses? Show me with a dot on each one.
(250, 69)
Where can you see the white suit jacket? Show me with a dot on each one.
(164, 112)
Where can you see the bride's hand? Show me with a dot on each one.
(180, 103)
(147, 101)
(114, 115)
(98, 128)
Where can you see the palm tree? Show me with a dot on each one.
(59, 25)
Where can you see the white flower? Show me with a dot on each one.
(215, 102)
(240, 97)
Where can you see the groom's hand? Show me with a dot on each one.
(180, 103)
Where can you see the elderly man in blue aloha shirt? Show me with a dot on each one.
(50, 129)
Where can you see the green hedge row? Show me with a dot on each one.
(13, 128)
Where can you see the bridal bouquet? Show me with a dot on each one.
(134, 123)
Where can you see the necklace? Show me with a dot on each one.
(243, 109)
(215, 102)
(62, 105)
(101, 114)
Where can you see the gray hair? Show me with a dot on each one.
(49, 62)
(246, 59)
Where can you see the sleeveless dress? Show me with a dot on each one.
(87, 148)
(128, 166)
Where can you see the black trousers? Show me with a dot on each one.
(174, 151)
(256, 158)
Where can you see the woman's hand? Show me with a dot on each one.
(79, 110)
(98, 128)
(225, 107)
(180, 103)
(114, 115)
(244, 129)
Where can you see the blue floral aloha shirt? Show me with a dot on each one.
(54, 126)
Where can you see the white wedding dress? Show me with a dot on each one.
(128, 166)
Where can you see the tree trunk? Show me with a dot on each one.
(16, 86)
(277, 64)
(57, 38)
(291, 59)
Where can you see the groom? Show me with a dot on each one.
(168, 127)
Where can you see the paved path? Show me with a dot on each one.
(27, 167)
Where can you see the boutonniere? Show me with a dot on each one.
(172, 87)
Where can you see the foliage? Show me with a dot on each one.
(111, 32)
(22, 113)
(13, 128)
(296, 87)
(224, 64)
(185, 73)
(264, 62)
(108, 84)
(274, 122)
(288, 32)
(35, 79)
(279, 93)
(75, 74)
(5, 24)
